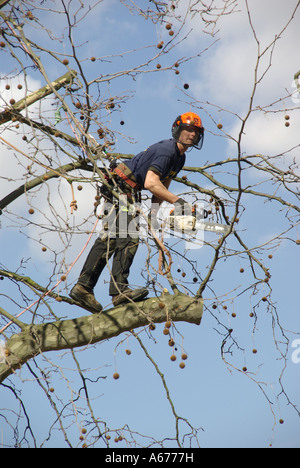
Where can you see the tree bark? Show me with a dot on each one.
(69, 334)
(3, 3)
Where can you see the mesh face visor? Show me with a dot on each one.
(192, 121)
(199, 138)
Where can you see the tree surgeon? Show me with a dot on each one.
(153, 170)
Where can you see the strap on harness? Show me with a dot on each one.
(124, 173)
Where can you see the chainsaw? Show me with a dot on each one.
(192, 223)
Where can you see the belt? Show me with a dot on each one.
(125, 174)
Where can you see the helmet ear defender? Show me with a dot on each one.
(189, 119)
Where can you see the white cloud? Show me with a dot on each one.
(226, 73)
(267, 134)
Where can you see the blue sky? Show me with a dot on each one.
(234, 409)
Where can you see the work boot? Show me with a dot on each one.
(86, 298)
(130, 295)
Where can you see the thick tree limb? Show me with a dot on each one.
(69, 334)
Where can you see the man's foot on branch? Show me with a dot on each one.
(130, 295)
(86, 298)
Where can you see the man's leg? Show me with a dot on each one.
(95, 263)
(122, 261)
(125, 250)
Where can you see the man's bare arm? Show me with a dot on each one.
(159, 189)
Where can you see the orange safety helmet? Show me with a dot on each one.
(189, 119)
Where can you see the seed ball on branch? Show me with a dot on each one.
(182, 365)
(173, 358)
(116, 376)
(66, 62)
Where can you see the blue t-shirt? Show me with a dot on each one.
(163, 157)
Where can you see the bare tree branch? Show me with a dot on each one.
(69, 334)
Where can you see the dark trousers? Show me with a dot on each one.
(119, 238)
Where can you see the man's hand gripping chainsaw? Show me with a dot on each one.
(189, 220)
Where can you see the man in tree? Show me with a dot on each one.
(152, 170)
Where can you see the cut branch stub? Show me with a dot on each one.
(27, 101)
